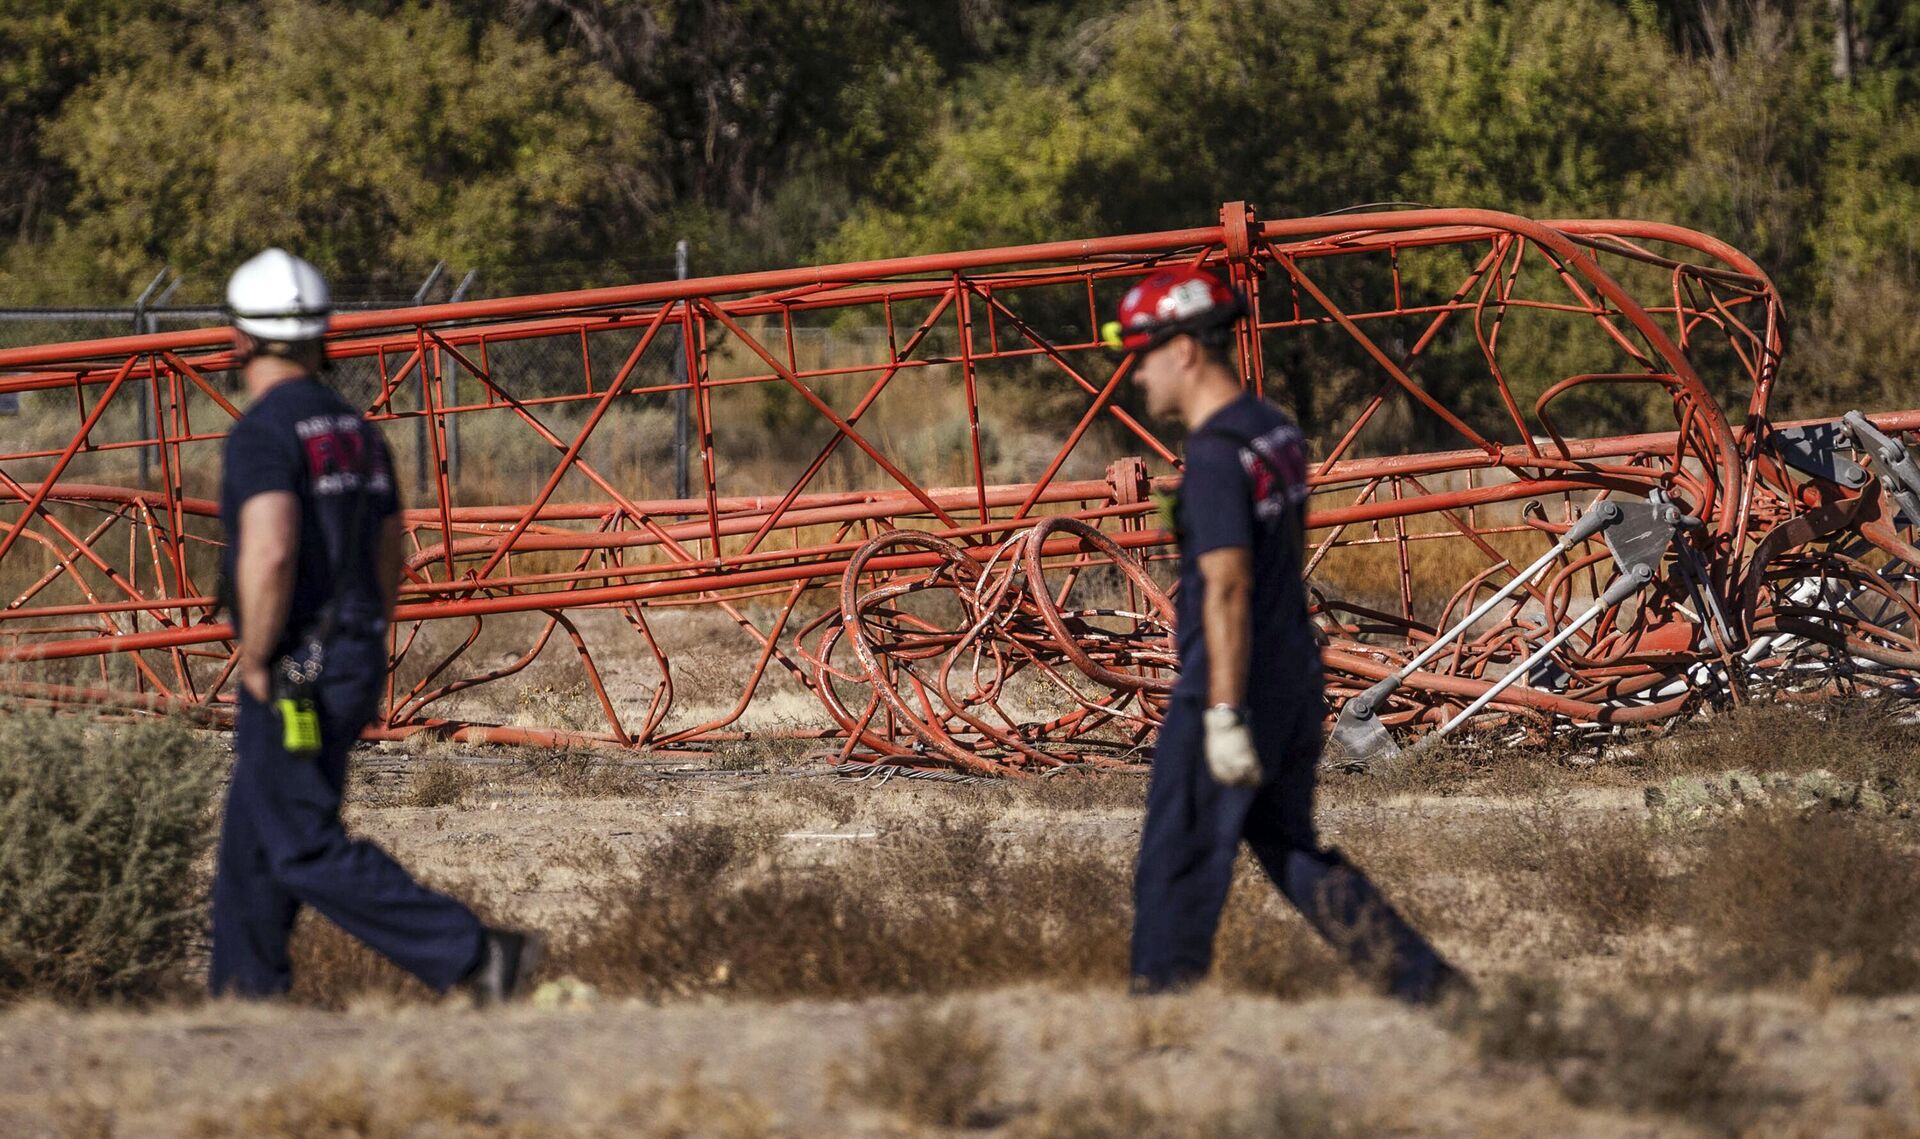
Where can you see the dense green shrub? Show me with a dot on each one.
(103, 829)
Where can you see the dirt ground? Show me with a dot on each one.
(607, 1066)
(1467, 849)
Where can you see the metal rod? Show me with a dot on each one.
(1596, 518)
(1627, 584)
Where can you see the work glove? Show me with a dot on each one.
(1230, 754)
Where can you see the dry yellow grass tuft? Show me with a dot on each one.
(1822, 897)
(935, 1066)
(1665, 1052)
(721, 907)
(346, 1102)
(1117, 1111)
(331, 969)
(695, 1109)
(440, 782)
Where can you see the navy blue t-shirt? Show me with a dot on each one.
(302, 438)
(1246, 486)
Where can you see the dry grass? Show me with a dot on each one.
(694, 1109)
(1865, 740)
(77, 1116)
(945, 904)
(929, 1065)
(717, 888)
(440, 782)
(579, 773)
(1605, 877)
(1663, 1052)
(1478, 765)
(1072, 791)
(719, 891)
(941, 1067)
(821, 798)
(416, 1102)
(1826, 898)
(938, 889)
(713, 909)
(332, 970)
(1835, 1118)
(1545, 876)
(1854, 739)
(948, 888)
(1108, 1113)
(1264, 947)
(1116, 1110)
(343, 1102)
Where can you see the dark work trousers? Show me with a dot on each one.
(1192, 835)
(282, 846)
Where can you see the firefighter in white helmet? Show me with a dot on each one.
(313, 557)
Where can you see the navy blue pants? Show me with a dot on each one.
(282, 846)
(1192, 835)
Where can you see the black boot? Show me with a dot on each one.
(507, 960)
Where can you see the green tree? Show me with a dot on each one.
(48, 48)
(1540, 106)
(1150, 117)
(371, 144)
(1857, 333)
(775, 114)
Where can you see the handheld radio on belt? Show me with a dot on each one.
(294, 686)
(296, 676)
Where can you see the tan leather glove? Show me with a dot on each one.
(1229, 742)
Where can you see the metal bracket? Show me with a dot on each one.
(1643, 533)
(1814, 449)
(1897, 470)
(1693, 575)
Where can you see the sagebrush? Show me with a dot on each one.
(103, 829)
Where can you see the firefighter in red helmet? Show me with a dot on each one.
(1237, 752)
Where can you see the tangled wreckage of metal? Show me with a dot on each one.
(1512, 574)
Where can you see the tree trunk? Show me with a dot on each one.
(1843, 45)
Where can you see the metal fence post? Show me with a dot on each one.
(422, 447)
(453, 421)
(145, 322)
(680, 402)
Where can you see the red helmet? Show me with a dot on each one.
(1168, 303)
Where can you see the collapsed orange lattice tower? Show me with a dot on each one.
(887, 548)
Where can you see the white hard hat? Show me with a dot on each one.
(277, 296)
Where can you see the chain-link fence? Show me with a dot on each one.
(541, 373)
(154, 311)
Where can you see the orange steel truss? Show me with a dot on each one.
(877, 555)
